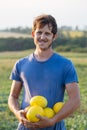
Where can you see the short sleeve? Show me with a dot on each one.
(15, 74)
(70, 74)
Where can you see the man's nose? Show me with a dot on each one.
(42, 36)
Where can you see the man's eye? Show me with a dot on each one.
(39, 33)
(47, 34)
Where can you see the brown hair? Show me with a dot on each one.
(42, 20)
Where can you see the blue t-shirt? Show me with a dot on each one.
(47, 78)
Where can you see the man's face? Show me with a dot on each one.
(43, 37)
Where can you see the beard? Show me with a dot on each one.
(46, 48)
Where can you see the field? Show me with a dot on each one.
(77, 121)
(72, 34)
(13, 34)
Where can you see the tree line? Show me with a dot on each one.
(28, 30)
(78, 44)
(66, 40)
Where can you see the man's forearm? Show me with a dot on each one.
(69, 107)
(13, 104)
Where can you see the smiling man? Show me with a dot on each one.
(46, 73)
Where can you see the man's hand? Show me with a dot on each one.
(20, 114)
(43, 122)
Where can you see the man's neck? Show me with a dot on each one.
(43, 55)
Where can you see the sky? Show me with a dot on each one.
(14, 13)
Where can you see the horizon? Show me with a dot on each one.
(64, 27)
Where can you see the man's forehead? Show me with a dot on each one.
(40, 26)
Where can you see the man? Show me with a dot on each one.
(44, 73)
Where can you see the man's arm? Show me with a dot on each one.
(13, 100)
(69, 107)
(14, 95)
(14, 104)
(72, 104)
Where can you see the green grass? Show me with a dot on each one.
(78, 121)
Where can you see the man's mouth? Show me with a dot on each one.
(42, 41)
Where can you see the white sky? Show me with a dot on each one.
(14, 13)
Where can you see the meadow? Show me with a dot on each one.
(13, 34)
(77, 121)
(72, 34)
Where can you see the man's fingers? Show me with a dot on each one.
(40, 117)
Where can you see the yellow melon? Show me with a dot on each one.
(49, 112)
(27, 108)
(58, 106)
(39, 100)
(33, 111)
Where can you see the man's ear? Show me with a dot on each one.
(55, 37)
(32, 33)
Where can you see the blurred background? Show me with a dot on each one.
(16, 18)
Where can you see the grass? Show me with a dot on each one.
(13, 34)
(78, 121)
(73, 34)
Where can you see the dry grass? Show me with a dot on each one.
(13, 34)
(80, 61)
(73, 34)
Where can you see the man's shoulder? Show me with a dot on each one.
(61, 57)
(25, 59)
